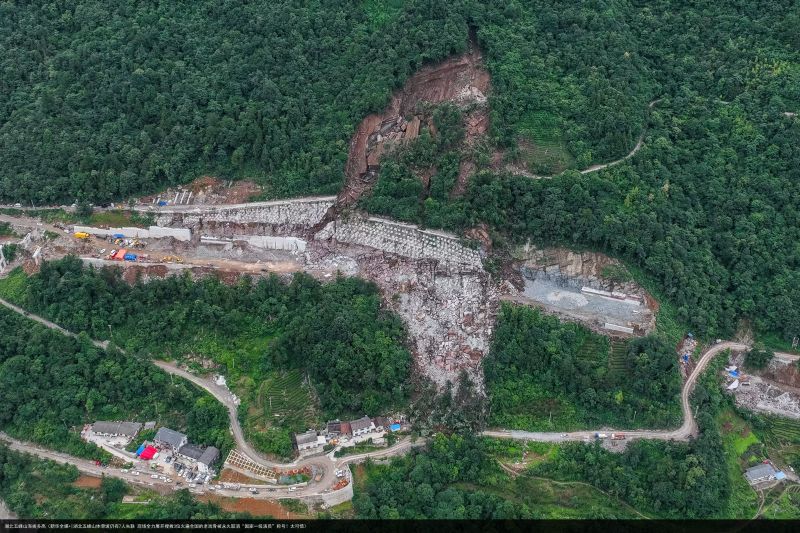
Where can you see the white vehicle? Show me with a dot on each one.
(18, 205)
(253, 490)
(212, 487)
(136, 473)
(292, 489)
(154, 476)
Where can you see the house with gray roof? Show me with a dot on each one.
(361, 426)
(170, 438)
(202, 457)
(116, 429)
(209, 457)
(306, 441)
(760, 473)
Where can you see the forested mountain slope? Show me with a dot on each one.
(105, 101)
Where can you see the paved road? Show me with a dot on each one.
(325, 463)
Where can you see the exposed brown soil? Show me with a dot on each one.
(210, 191)
(87, 482)
(232, 476)
(462, 80)
(263, 508)
(787, 376)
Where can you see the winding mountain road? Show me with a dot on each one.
(688, 428)
(324, 463)
(600, 166)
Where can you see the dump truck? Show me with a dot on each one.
(600, 435)
(81, 235)
(618, 436)
(130, 257)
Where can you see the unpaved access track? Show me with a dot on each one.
(688, 428)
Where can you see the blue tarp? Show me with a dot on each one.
(780, 475)
(686, 357)
(162, 203)
(734, 373)
(118, 236)
(395, 427)
(139, 450)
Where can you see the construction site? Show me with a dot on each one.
(774, 390)
(588, 287)
(433, 280)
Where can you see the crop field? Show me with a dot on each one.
(783, 430)
(284, 399)
(618, 363)
(542, 147)
(593, 348)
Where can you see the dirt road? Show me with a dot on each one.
(687, 429)
(594, 168)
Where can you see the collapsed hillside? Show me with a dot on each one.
(461, 80)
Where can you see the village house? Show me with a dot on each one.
(333, 429)
(116, 429)
(306, 441)
(169, 438)
(361, 426)
(760, 473)
(197, 455)
(381, 423)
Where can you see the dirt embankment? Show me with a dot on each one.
(256, 507)
(207, 190)
(462, 80)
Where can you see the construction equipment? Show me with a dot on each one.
(617, 436)
(81, 235)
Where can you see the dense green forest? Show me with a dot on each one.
(264, 332)
(543, 374)
(457, 477)
(707, 207)
(108, 100)
(36, 488)
(51, 385)
(102, 101)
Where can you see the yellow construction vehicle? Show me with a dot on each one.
(81, 235)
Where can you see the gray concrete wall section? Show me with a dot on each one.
(154, 232)
(3, 262)
(402, 239)
(301, 212)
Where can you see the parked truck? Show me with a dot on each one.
(618, 436)
(600, 435)
(130, 257)
(81, 235)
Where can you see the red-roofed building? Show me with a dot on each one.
(346, 429)
(148, 453)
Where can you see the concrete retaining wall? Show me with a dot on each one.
(304, 212)
(3, 262)
(153, 232)
(292, 244)
(401, 239)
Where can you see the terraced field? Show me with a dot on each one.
(541, 146)
(284, 399)
(618, 362)
(783, 430)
